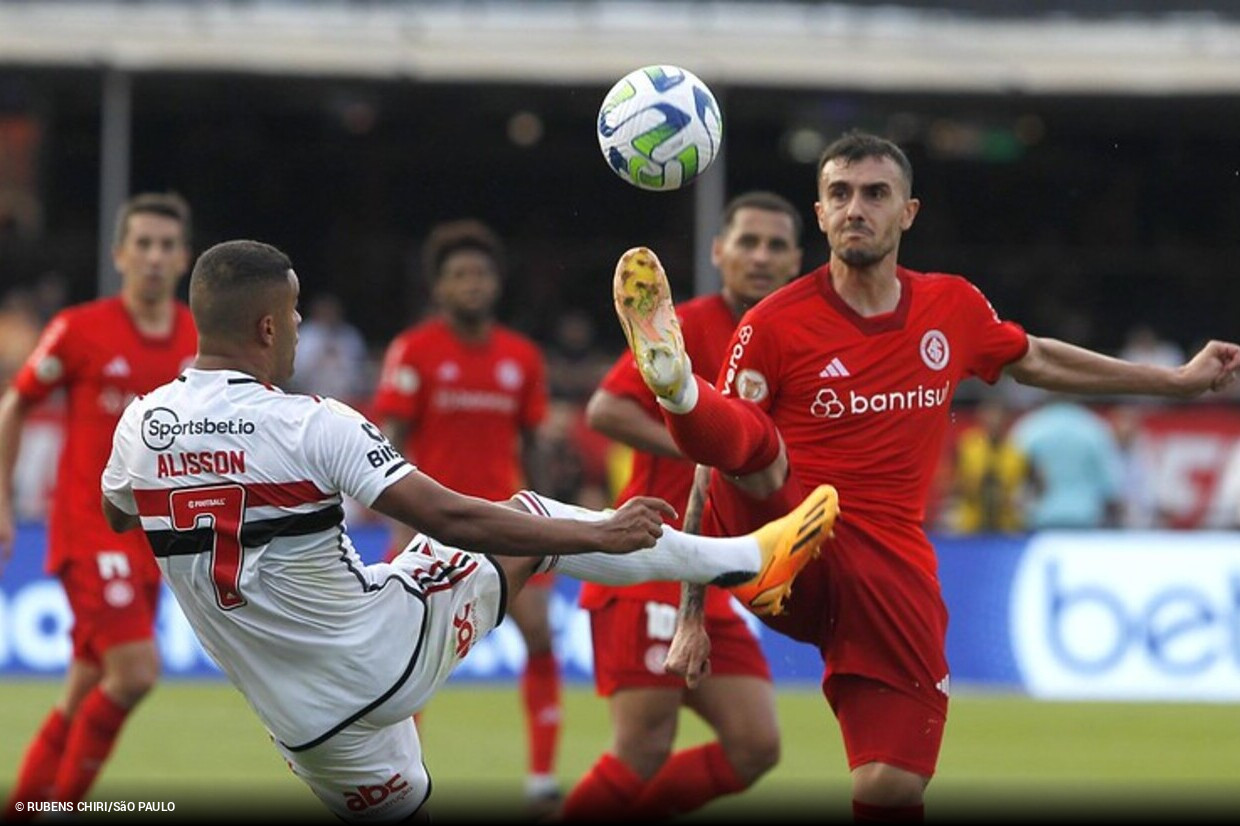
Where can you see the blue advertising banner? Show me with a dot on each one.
(1059, 615)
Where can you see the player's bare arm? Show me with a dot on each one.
(1056, 365)
(688, 655)
(625, 421)
(485, 527)
(12, 417)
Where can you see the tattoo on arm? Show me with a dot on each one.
(697, 498)
(693, 597)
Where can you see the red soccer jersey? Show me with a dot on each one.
(864, 404)
(96, 352)
(707, 323)
(465, 403)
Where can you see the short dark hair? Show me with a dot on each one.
(227, 280)
(769, 201)
(168, 204)
(453, 236)
(855, 145)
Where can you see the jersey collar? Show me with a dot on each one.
(868, 325)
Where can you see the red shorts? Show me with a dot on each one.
(631, 639)
(883, 725)
(877, 617)
(114, 601)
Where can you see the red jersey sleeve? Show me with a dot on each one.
(751, 370)
(996, 343)
(53, 362)
(398, 395)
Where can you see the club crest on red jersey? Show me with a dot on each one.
(935, 351)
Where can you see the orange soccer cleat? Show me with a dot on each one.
(643, 301)
(788, 544)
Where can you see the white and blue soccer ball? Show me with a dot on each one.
(660, 127)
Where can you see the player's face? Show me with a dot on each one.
(151, 257)
(863, 209)
(756, 254)
(287, 320)
(468, 285)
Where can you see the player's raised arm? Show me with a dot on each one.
(1056, 365)
(485, 527)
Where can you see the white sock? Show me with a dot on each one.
(687, 398)
(676, 556)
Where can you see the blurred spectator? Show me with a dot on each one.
(19, 331)
(331, 353)
(575, 365)
(51, 295)
(1074, 466)
(1138, 502)
(990, 474)
(1145, 346)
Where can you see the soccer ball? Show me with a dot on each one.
(660, 127)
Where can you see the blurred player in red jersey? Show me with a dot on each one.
(463, 395)
(846, 375)
(102, 353)
(757, 250)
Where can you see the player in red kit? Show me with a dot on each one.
(103, 354)
(757, 250)
(847, 375)
(463, 395)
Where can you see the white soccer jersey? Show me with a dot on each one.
(238, 486)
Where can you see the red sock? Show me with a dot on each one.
(38, 769)
(869, 813)
(724, 432)
(689, 779)
(606, 793)
(92, 733)
(540, 692)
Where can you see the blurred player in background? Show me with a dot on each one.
(336, 656)
(847, 375)
(463, 395)
(102, 353)
(757, 250)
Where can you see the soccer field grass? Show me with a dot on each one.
(199, 746)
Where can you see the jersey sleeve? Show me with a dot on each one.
(996, 343)
(116, 483)
(535, 395)
(400, 383)
(50, 364)
(349, 454)
(751, 370)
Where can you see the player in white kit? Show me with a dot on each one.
(239, 485)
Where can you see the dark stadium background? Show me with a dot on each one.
(1078, 215)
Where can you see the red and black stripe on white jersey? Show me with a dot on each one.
(172, 517)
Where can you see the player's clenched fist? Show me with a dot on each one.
(636, 524)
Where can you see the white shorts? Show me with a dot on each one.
(372, 770)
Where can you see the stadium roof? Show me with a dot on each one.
(836, 45)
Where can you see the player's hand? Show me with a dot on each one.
(689, 654)
(637, 524)
(1213, 368)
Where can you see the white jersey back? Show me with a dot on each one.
(238, 486)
